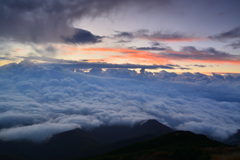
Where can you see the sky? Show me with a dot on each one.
(68, 64)
(199, 36)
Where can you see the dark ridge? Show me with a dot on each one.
(66, 145)
(234, 139)
(69, 145)
(10, 157)
(79, 143)
(145, 140)
(178, 139)
(173, 146)
(120, 132)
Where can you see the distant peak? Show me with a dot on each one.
(149, 121)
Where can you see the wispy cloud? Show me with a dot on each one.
(235, 45)
(231, 34)
(208, 55)
(158, 36)
(170, 37)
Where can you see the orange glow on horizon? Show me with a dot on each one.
(145, 57)
(132, 55)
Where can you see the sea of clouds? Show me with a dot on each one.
(40, 100)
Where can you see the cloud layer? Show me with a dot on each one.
(37, 101)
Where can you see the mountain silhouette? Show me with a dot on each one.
(147, 139)
(179, 145)
(234, 139)
(152, 128)
(80, 143)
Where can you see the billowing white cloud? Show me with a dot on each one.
(36, 133)
(37, 101)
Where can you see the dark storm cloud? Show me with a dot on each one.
(42, 21)
(233, 33)
(40, 100)
(82, 36)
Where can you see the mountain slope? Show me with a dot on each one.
(70, 144)
(234, 139)
(174, 146)
(66, 145)
(120, 132)
(79, 143)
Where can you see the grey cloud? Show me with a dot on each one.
(156, 36)
(48, 51)
(201, 66)
(167, 36)
(155, 44)
(190, 52)
(197, 65)
(151, 48)
(124, 35)
(235, 45)
(51, 49)
(185, 68)
(81, 37)
(43, 21)
(208, 52)
(233, 33)
(62, 99)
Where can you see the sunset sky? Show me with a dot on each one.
(190, 35)
(68, 64)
